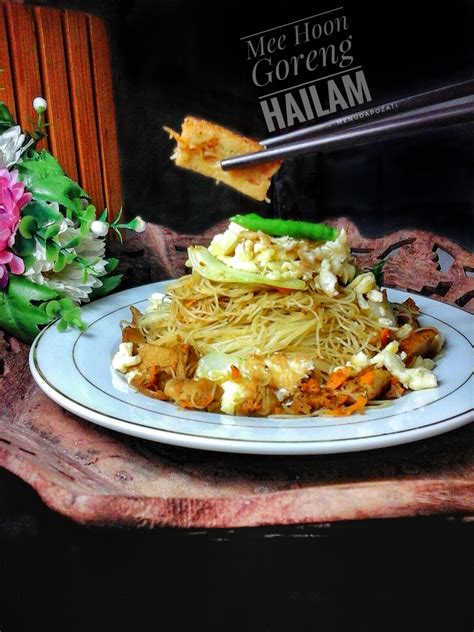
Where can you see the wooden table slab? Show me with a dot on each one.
(96, 476)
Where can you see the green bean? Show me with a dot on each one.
(288, 227)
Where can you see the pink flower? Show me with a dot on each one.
(12, 199)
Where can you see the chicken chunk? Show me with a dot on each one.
(179, 361)
(199, 394)
(407, 313)
(420, 343)
(371, 381)
(260, 401)
(278, 370)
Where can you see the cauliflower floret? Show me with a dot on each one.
(359, 361)
(240, 263)
(363, 283)
(124, 358)
(404, 331)
(154, 302)
(287, 243)
(375, 295)
(438, 342)
(426, 363)
(327, 279)
(225, 243)
(277, 370)
(283, 258)
(415, 378)
(234, 394)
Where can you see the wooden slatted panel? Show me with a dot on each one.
(56, 91)
(7, 94)
(83, 105)
(103, 88)
(64, 56)
(24, 63)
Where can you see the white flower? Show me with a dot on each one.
(12, 147)
(70, 280)
(40, 105)
(99, 229)
(138, 225)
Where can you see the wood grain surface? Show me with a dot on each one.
(101, 65)
(56, 87)
(97, 476)
(64, 56)
(82, 105)
(7, 94)
(24, 60)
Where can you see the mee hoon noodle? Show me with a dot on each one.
(242, 320)
(276, 319)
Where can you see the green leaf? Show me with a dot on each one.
(28, 260)
(75, 241)
(52, 309)
(111, 264)
(86, 217)
(66, 303)
(52, 250)
(45, 179)
(119, 234)
(51, 231)
(78, 205)
(70, 257)
(28, 227)
(377, 271)
(43, 214)
(109, 283)
(117, 219)
(6, 120)
(90, 213)
(18, 314)
(103, 216)
(60, 262)
(62, 326)
(23, 247)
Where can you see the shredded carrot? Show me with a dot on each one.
(367, 378)
(338, 377)
(234, 372)
(153, 373)
(310, 386)
(344, 411)
(191, 302)
(385, 336)
(282, 290)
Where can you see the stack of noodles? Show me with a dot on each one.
(277, 325)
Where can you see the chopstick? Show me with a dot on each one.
(386, 128)
(393, 108)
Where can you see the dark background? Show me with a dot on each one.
(178, 57)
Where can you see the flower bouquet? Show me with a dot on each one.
(52, 245)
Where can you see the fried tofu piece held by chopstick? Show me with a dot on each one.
(202, 145)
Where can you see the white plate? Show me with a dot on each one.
(74, 369)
